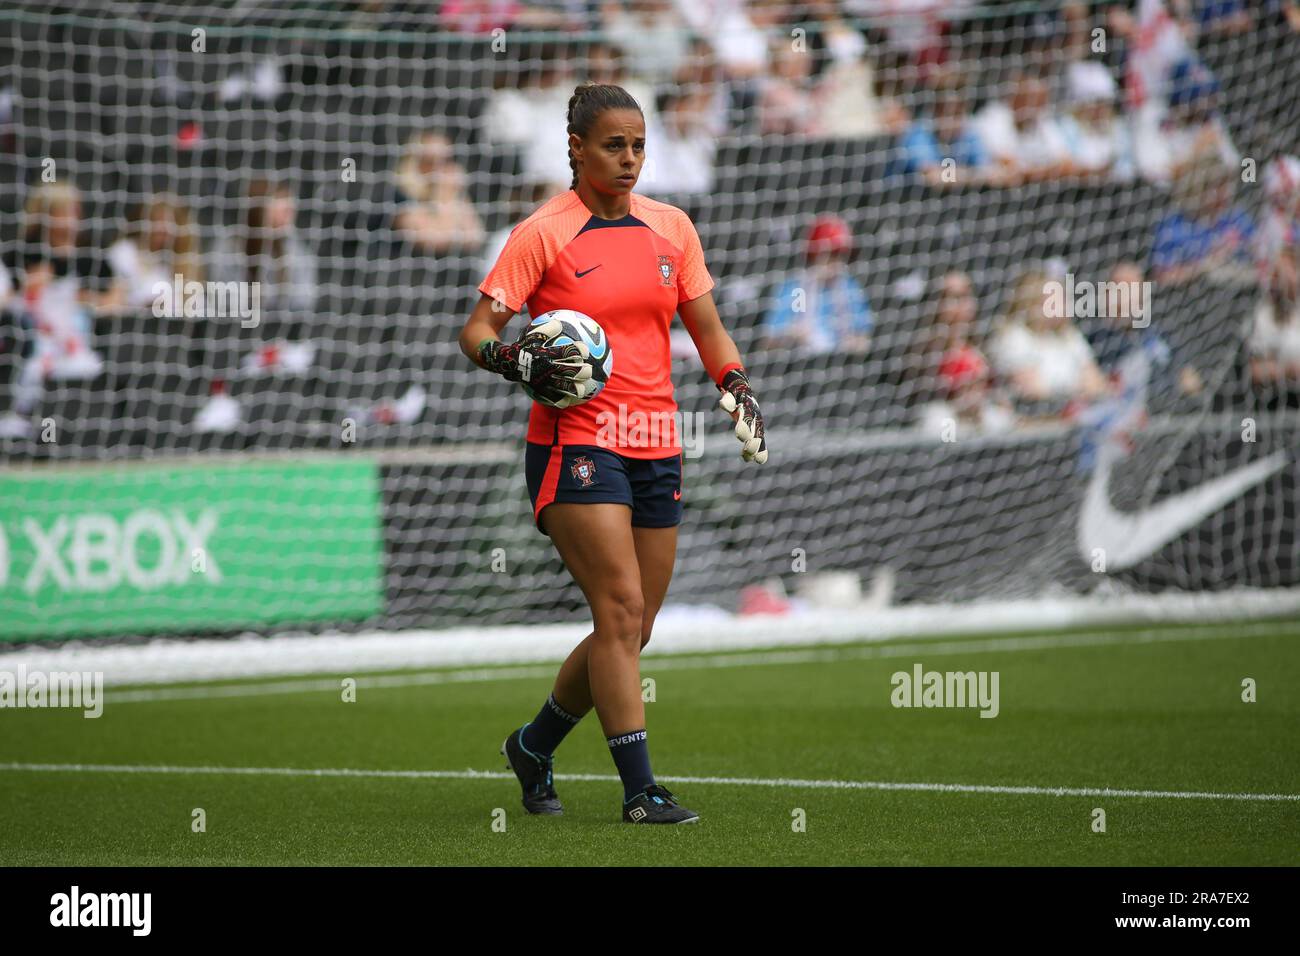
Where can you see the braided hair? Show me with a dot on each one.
(586, 104)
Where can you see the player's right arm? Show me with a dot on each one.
(484, 324)
(554, 371)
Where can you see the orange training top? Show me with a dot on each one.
(629, 275)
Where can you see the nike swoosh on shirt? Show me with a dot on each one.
(1128, 537)
(579, 275)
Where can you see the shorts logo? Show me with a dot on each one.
(584, 470)
(666, 269)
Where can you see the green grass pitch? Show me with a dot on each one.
(1132, 710)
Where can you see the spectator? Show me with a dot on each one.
(699, 76)
(949, 135)
(264, 253)
(1191, 125)
(679, 147)
(1274, 342)
(434, 211)
(56, 297)
(651, 35)
(1221, 18)
(1156, 41)
(605, 64)
(1205, 235)
(970, 405)
(265, 248)
(159, 244)
(740, 46)
(786, 106)
(821, 308)
(1100, 143)
(957, 382)
(1072, 41)
(915, 29)
(532, 118)
(1280, 227)
(484, 16)
(845, 93)
(958, 398)
(1128, 345)
(1024, 135)
(952, 356)
(1043, 356)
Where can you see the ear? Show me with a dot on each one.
(575, 144)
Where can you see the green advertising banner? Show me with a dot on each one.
(149, 549)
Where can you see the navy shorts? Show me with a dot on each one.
(652, 487)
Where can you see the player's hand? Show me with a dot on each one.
(738, 401)
(551, 370)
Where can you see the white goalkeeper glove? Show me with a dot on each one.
(738, 401)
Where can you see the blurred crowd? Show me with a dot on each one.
(1072, 93)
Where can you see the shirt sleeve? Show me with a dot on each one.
(693, 279)
(519, 268)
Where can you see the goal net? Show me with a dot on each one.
(1015, 284)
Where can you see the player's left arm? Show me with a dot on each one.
(721, 360)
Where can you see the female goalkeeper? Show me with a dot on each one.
(610, 502)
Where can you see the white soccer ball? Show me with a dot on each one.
(563, 326)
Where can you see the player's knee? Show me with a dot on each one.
(622, 610)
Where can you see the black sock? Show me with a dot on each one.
(551, 725)
(632, 757)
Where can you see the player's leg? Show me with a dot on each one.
(600, 552)
(596, 544)
(593, 481)
(656, 513)
(656, 552)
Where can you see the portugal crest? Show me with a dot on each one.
(584, 470)
(666, 269)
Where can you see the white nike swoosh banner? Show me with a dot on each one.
(1127, 538)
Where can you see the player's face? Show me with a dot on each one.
(614, 151)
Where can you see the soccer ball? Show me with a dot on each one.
(576, 327)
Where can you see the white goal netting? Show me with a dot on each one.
(1015, 284)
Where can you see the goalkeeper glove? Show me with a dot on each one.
(552, 371)
(738, 401)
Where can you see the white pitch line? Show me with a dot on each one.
(794, 783)
(1032, 642)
